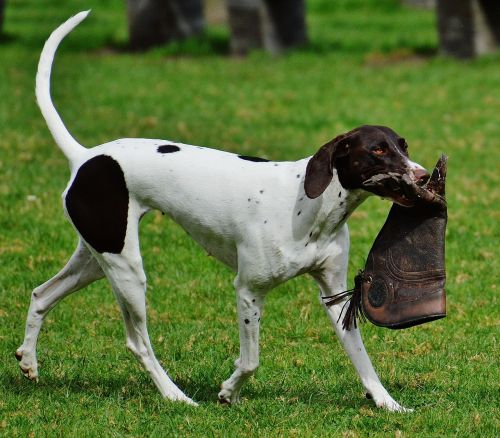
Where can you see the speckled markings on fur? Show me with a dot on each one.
(268, 221)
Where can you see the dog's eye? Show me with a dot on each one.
(380, 149)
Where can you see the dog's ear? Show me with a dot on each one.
(319, 171)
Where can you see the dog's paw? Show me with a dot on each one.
(28, 364)
(171, 392)
(227, 397)
(389, 404)
(187, 400)
(179, 396)
(394, 406)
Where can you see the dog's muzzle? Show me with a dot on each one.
(403, 189)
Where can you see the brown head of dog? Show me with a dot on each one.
(359, 155)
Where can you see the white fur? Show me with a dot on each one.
(69, 146)
(254, 217)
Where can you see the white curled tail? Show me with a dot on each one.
(68, 145)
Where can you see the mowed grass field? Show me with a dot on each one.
(368, 62)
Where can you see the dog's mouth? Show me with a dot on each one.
(399, 188)
(401, 199)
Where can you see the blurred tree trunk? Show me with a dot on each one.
(274, 25)
(245, 24)
(468, 28)
(2, 9)
(155, 22)
(288, 24)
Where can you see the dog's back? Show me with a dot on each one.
(220, 198)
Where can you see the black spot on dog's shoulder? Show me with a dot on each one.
(340, 194)
(168, 149)
(246, 321)
(254, 159)
(97, 203)
(298, 214)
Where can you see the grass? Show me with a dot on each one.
(368, 62)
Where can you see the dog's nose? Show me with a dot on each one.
(420, 175)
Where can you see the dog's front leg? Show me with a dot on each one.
(333, 280)
(249, 314)
(353, 345)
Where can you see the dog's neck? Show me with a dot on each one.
(335, 206)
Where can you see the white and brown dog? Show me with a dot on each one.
(268, 221)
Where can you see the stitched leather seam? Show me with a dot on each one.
(412, 276)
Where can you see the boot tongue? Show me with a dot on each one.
(436, 183)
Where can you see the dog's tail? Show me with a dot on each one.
(68, 145)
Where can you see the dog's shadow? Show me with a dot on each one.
(118, 386)
(102, 386)
(204, 392)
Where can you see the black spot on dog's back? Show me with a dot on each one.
(168, 149)
(254, 159)
(97, 203)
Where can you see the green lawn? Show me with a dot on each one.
(368, 62)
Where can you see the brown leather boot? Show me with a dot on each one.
(402, 284)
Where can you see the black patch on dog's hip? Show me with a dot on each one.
(254, 159)
(168, 149)
(97, 203)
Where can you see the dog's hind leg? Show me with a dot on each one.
(126, 275)
(81, 270)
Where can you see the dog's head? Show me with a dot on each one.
(360, 155)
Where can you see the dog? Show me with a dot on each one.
(268, 221)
